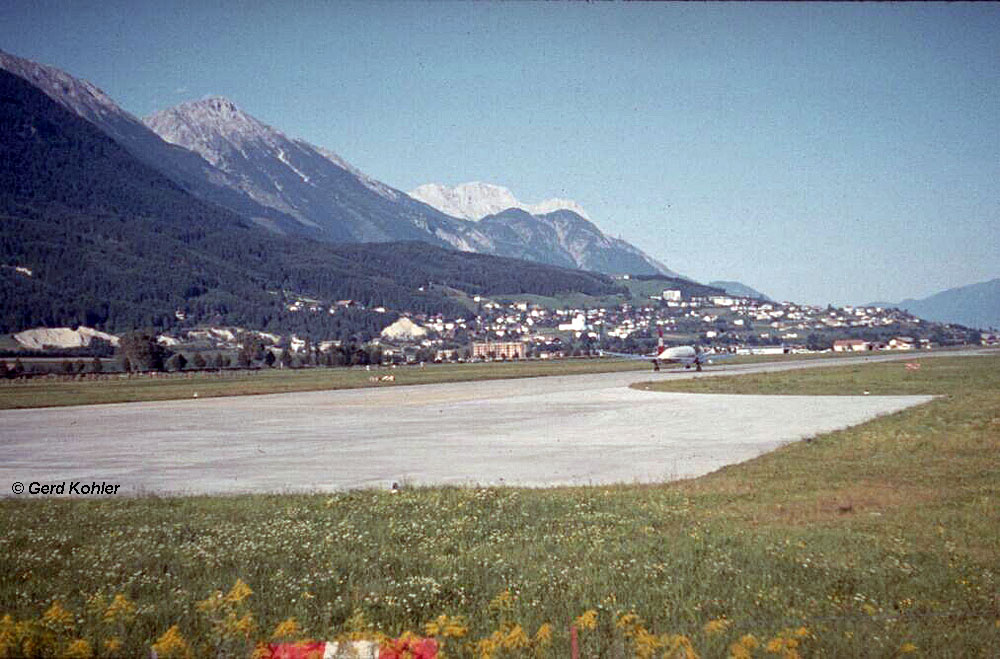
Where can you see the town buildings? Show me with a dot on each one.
(498, 350)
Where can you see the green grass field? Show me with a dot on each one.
(874, 541)
(43, 392)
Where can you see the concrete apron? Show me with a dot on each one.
(576, 430)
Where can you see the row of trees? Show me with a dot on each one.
(139, 351)
(67, 367)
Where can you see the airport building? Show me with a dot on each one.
(498, 350)
(852, 345)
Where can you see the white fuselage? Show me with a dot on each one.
(677, 353)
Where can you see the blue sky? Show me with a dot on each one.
(821, 153)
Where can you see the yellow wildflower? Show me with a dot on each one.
(8, 636)
(211, 603)
(244, 626)
(739, 651)
(356, 628)
(443, 625)
(906, 648)
(628, 623)
(786, 642)
(455, 630)
(742, 648)
(18, 639)
(784, 645)
(286, 629)
(544, 634)
(646, 644)
(239, 592)
(172, 645)
(33, 646)
(587, 620)
(78, 649)
(716, 626)
(57, 618)
(678, 645)
(515, 638)
(486, 647)
(113, 645)
(120, 610)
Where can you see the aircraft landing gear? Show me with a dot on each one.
(697, 366)
(656, 365)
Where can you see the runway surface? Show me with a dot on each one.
(537, 432)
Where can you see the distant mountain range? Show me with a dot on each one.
(476, 200)
(217, 152)
(555, 231)
(90, 235)
(738, 289)
(975, 305)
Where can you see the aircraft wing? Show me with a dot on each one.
(697, 359)
(707, 358)
(626, 355)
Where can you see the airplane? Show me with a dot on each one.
(687, 355)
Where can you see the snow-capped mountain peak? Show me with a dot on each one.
(476, 200)
(557, 203)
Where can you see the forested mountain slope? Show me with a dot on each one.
(90, 235)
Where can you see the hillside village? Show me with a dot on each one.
(513, 328)
(718, 322)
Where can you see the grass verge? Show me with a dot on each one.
(873, 541)
(55, 393)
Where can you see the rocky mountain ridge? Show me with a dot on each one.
(185, 168)
(315, 186)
